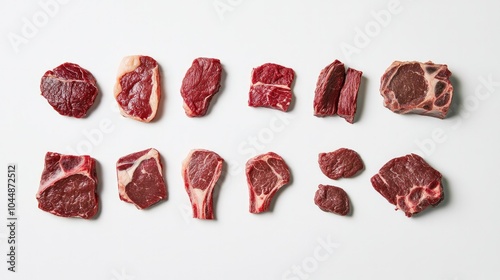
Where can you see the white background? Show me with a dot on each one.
(457, 240)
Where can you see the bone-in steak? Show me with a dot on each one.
(332, 199)
(140, 178)
(271, 87)
(410, 183)
(419, 88)
(201, 170)
(266, 174)
(68, 186)
(69, 89)
(138, 89)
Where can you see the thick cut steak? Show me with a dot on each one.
(201, 170)
(332, 199)
(68, 186)
(266, 174)
(271, 87)
(349, 95)
(138, 89)
(341, 163)
(200, 84)
(328, 87)
(140, 178)
(418, 88)
(409, 183)
(69, 89)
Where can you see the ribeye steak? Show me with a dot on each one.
(68, 186)
(328, 87)
(69, 89)
(140, 178)
(266, 174)
(271, 87)
(416, 87)
(347, 106)
(332, 199)
(410, 183)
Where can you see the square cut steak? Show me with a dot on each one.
(410, 183)
(70, 89)
(137, 88)
(201, 170)
(328, 87)
(266, 174)
(200, 84)
(418, 88)
(68, 187)
(271, 87)
(140, 178)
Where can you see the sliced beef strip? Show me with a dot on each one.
(347, 105)
(328, 87)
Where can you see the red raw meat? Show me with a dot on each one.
(200, 84)
(271, 87)
(266, 174)
(140, 178)
(418, 88)
(410, 183)
(69, 89)
(138, 89)
(68, 187)
(201, 170)
(328, 87)
(332, 199)
(349, 95)
(341, 163)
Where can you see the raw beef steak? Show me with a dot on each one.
(332, 199)
(140, 178)
(138, 89)
(68, 186)
(200, 84)
(409, 183)
(341, 163)
(349, 95)
(201, 170)
(69, 89)
(328, 87)
(271, 87)
(419, 88)
(266, 174)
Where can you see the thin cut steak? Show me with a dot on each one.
(138, 89)
(201, 170)
(409, 183)
(349, 95)
(266, 174)
(418, 88)
(200, 84)
(341, 163)
(332, 199)
(271, 87)
(140, 178)
(328, 87)
(68, 187)
(69, 89)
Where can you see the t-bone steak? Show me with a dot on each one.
(68, 187)
(346, 108)
(138, 89)
(140, 178)
(328, 87)
(201, 170)
(266, 174)
(332, 199)
(341, 163)
(69, 89)
(409, 183)
(271, 87)
(200, 84)
(419, 88)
